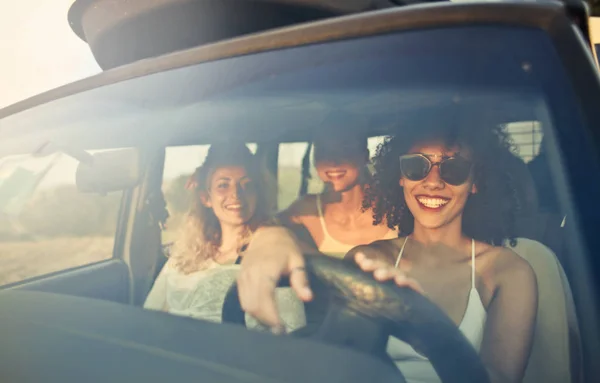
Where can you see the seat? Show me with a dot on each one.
(556, 351)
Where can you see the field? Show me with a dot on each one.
(21, 260)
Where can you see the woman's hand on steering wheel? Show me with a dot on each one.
(274, 253)
(384, 271)
(362, 313)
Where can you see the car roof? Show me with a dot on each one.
(112, 29)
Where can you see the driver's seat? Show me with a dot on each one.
(556, 352)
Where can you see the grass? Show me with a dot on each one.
(22, 260)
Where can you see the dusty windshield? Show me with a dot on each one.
(441, 136)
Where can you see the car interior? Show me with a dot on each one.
(123, 135)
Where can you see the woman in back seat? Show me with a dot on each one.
(231, 214)
(335, 218)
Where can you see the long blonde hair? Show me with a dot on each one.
(201, 235)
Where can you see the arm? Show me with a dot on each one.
(157, 298)
(293, 213)
(272, 253)
(508, 334)
(292, 218)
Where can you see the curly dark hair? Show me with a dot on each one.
(489, 215)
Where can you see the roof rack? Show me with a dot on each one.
(123, 31)
(120, 32)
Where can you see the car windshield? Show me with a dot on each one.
(286, 106)
(421, 78)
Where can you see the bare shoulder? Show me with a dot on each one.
(303, 207)
(507, 267)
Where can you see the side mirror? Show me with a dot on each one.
(109, 171)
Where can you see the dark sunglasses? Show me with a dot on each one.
(453, 170)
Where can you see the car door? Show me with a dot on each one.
(57, 238)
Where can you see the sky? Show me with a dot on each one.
(38, 50)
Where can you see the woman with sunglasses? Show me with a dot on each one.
(453, 200)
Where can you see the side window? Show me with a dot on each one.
(373, 143)
(46, 224)
(180, 164)
(527, 137)
(289, 175)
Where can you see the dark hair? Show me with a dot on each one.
(345, 135)
(489, 215)
(342, 126)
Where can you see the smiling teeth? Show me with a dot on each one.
(234, 207)
(433, 203)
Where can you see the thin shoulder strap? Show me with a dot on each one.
(401, 252)
(321, 218)
(472, 263)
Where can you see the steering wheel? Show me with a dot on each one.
(362, 313)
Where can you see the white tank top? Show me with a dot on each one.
(414, 366)
(331, 246)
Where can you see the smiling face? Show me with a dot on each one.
(339, 161)
(231, 195)
(433, 202)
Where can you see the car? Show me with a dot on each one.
(595, 35)
(92, 177)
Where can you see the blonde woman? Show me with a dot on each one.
(230, 217)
